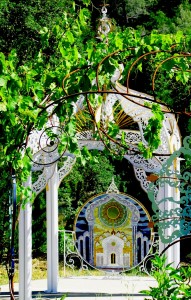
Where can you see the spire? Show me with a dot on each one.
(112, 188)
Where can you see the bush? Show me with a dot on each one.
(172, 283)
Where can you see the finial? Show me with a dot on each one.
(105, 24)
(104, 11)
(112, 188)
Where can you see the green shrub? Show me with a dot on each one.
(172, 283)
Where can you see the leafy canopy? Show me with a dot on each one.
(28, 88)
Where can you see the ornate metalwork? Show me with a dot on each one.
(45, 145)
(45, 142)
(43, 178)
(172, 213)
(142, 178)
(172, 207)
(105, 24)
(132, 104)
(48, 171)
(66, 168)
(72, 259)
(112, 188)
(146, 265)
(138, 161)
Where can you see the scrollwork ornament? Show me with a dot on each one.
(73, 260)
(187, 176)
(51, 146)
(177, 211)
(186, 212)
(43, 178)
(171, 181)
(176, 187)
(66, 168)
(146, 266)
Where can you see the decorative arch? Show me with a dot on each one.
(46, 155)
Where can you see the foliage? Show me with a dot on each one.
(152, 132)
(67, 62)
(69, 52)
(172, 283)
(22, 20)
(24, 88)
(4, 217)
(65, 242)
(39, 225)
(166, 17)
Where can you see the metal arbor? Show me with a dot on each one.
(45, 156)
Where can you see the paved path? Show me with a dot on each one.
(90, 288)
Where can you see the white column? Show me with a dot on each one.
(173, 252)
(25, 250)
(176, 196)
(52, 232)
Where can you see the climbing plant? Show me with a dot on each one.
(72, 62)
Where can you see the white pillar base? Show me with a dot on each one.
(25, 251)
(52, 233)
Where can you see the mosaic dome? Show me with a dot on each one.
(113, 213)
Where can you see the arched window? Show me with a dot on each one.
(113, 258)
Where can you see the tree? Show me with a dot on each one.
(67, 63)
(148, 15)
(23, 87)
(22, 20)
(5, 230)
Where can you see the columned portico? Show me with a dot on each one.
(45, 157)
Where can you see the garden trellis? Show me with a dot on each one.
(46, 153)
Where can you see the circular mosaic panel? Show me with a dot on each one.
(113, 213)
(112, 232)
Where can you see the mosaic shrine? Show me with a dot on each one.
(112, 232)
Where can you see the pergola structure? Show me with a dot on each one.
(45, 157)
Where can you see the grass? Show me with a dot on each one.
(39, 271)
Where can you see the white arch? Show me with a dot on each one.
(170, 141)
